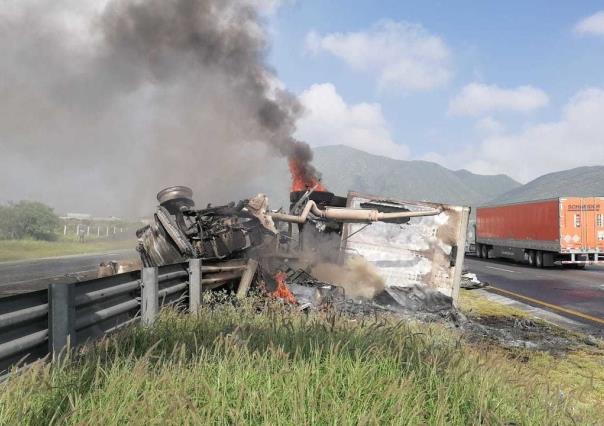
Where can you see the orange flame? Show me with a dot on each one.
(282, 291)
(301, 182)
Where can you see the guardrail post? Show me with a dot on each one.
(194, 285)
(246, 278)
(61, 318)
(150, 299)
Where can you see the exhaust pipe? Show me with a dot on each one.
(349, 215)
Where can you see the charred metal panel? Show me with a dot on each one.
(426, 251)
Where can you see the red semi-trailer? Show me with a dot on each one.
(542, 233)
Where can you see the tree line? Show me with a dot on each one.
(28, 219)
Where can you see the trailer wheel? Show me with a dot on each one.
(479, 251)
(484, 251)
(539, 259)
(531, 258)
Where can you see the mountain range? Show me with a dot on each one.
(580, 182)
(344, 168)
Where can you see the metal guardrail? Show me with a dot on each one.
(34, 325)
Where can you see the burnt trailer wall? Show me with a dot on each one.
(426, 251)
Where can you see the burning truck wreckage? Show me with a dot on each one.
(358, 254)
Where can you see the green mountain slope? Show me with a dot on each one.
(345, 168)
(581, 182)
(486, 185)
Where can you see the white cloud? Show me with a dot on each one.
(576, 139)
(329, 120)
(401, 55)
(476, 99)
(592, 25)
(489, 126)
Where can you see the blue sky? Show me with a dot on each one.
(506, 45)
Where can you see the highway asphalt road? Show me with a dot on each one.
(35, 274)
(576, 294)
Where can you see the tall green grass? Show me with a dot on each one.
(271, 365)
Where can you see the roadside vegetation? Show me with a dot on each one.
(28, 219)
(34, 249)
(263, 363)
(30, 230)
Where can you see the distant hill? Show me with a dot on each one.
(486, 184)
(346, 168)
(581, 182)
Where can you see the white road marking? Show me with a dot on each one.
(501, 269)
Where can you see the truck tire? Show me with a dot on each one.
(479, 251)
(484, 251)
(539, 259)
(531, 258)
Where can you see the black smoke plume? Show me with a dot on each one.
(104, 103)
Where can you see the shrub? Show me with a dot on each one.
(28, 219)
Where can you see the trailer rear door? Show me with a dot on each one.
(582, 223)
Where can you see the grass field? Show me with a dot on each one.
(245, 365)
(32, 249)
